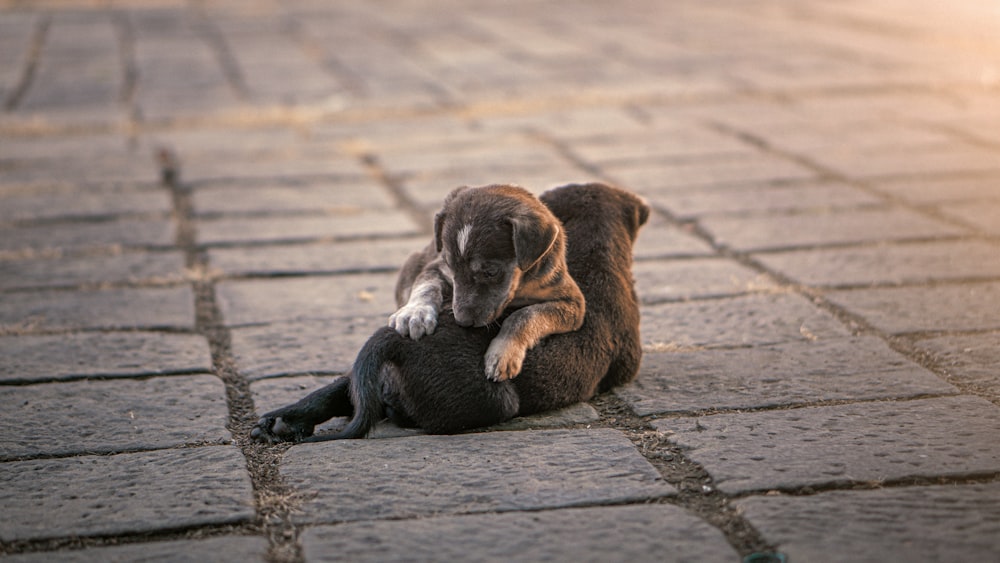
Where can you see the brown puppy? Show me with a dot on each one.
(437, 383)
(496, 248)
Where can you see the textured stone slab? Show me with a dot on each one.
(225, 549)
(343, 196)
(125, 493)
(344, 256)
(90, 203)
(947, 307)
(686, 279)
(783, 374)
(110, 416)
(659, 144)
(816, 229)
(105, 354)
(765, 198)
(491, 472)
(659, 239)
(896, 264)
(165, 267)
(313, 298)
(305, 227)
(912, 161)
(653, 177)
(341, 257)
(111, 308)
(429, 188)
(920, 524)
(230, 165)
(124, 233)
(308, 346)
(497, 154)
(949, 436)
(931, 190)
(739, 321)
(984, 216)
(969, 360)
(613, 533)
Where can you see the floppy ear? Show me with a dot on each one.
(533, 239)
(636, 215)
(438, 227)
(439, 217)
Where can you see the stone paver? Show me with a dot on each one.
(344, 256)
(305, 346)
(226, 549)
(125, 308)
(632, 533)
(103, 354)
(64, 203)
(887, 264)
(783, 374)
(739, 321)
(344, 196)
(159, 268)
(654, 177)
(298, 228)
(788, 449)
(825, 228)
(125, 493)
(688, 279)
(110, 416)
(312, 298)
(494, 472)
(764, 198)
(129, 233)
(935, 523)
(658, 239)
(945, 307)
(970, 360)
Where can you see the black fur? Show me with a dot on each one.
(437, 383)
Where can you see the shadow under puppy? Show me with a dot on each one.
(437, 383)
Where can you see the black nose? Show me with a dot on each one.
(460, 321)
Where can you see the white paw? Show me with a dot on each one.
(414, 320)
(503, 361)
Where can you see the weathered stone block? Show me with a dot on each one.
(124, 493)
(102, 354)
(935, 523)
(487, 472)
(614, 533)
(740, 321)
(787, 449)
(113, 416)
(315, 298)
(783, 374)
(108, 309)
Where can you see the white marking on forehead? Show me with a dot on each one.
(463, 239)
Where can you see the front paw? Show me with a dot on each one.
(277, 427)
(503, 360)
(414, 320)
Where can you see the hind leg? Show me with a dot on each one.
(295, 422)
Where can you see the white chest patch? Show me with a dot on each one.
(463, 239)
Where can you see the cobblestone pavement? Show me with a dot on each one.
(203, 205)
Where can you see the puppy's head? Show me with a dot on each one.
(601, 206)
(490, 237)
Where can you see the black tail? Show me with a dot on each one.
(366, 388)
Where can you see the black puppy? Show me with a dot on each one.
(437, 384)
